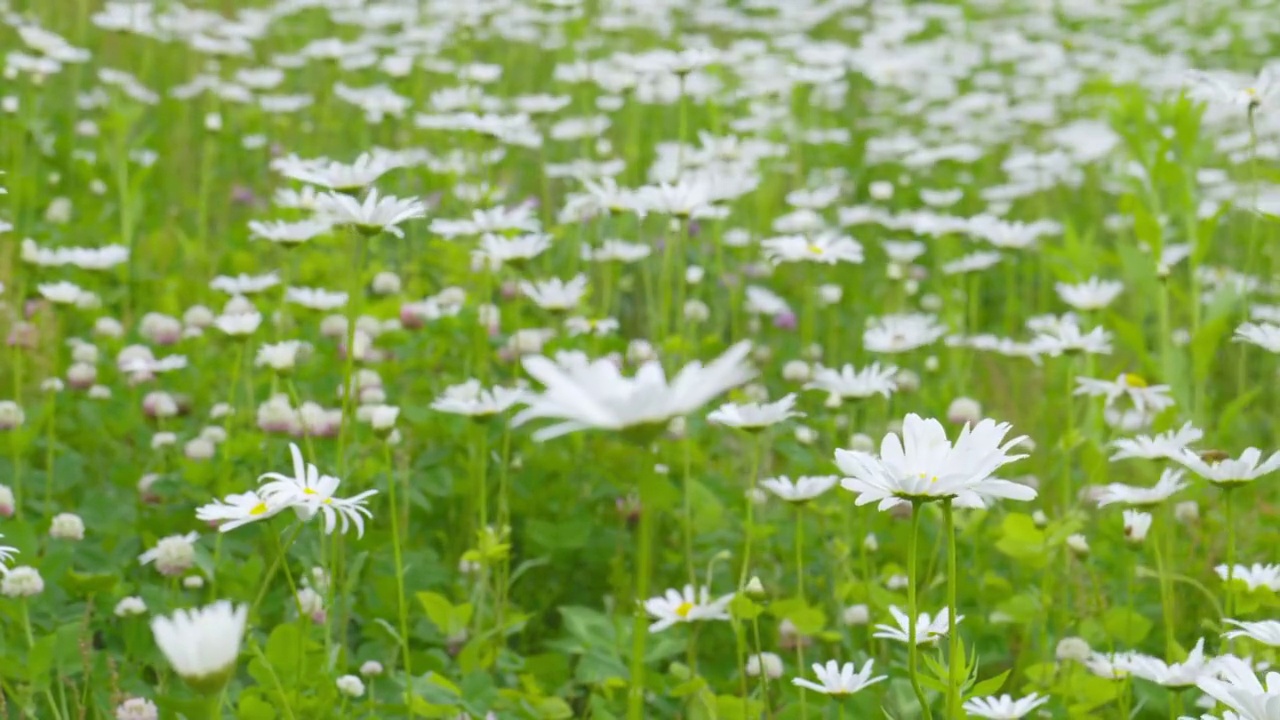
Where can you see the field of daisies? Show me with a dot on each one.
(639, 359)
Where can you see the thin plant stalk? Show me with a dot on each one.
(913, 609)
(401, 609)
(953, 640)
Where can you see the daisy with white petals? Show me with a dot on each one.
(754, 416)
(1003, 707)
(202, 644)
(839, 680)
(685, 606)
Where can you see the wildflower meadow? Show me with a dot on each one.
(639, 359)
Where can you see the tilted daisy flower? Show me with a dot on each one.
(1167, 445)
(1266, 632)
(1237, 687)
(928, 629)
(1170, 482)
(337, 175)
(827, 248)
(848, 382)
(901, 333)
(1107, 666)
(238, 509)
(1253, 576)
(804, 489)
(202, 644)
(1264, 335)
(309, 492)
(1145, 398)
(556, 294)
(1172, 675)
(470, 398)
(1092, 294)
(7, 554)
(1227, 472)
(1067, 338)
(289, 233)
(924, 465)
(595, 395)
(686, 605)
(839, 680)
(372, 215)
(754, 416)
(1003, 707)
(238, 324)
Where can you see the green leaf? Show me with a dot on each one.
(1125, 626)
(284, 647)
(587, 626)
(744, 608)
(553, 708)
(990, 686)
(1021, 540)
(808, 620)
(439, 610)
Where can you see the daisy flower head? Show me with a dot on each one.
(1092, 294)
(238, 509)
(1003, 707)
(1170, 482)
(924, 465)
(840, 680)
(371, 216)
(755, 416)
(1181, 675)
(686, 605)
(1235, 685)
(803, 489)
(901, 333)
(848, 382)
(595, 395)
(470, 398)
(1266, 632)
(1227, 472)
(1253, 576)
(1167, 445)
(308, 493)
(1144, 398)
(7, 553)
(928, 629)
(202, 644)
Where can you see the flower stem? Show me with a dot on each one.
(1166, 588)
(639, 630)
(275, 567)
(1229, 602)
(913, 610)
(804, 707)
(399, 560)
(953, 680)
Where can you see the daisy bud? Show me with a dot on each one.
(21, 582)
(193, 582)
(7, 502)
(1187, 513)
(796, 371)
(880, 190)
(911, 286)
(137, 709)
(161, 329)
(310, 603)
(198, 316)
(754, 588)
(162, 440)
(131, 606)
(386, 283)
(1078, 545)
(351, 686)
(67, 526)
(696, 311)
(82, 376)
(768, 663)
(964, 410)
(1040, 519)
(806, 435)
(371, 668)
(11, 415)
(907, 381)
(856, 615)
(199, 448)
(59, 211)
(756, 496)
(108, 327)
(97, 187)
(1136, 525)
(694, 274)
(640, 351)
(932, 363)
(861, 442)
(1073, 648)
(870, 543)
(830, 294)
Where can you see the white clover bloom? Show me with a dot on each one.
(924, 465)
(137, 709)
(67, 526)
(686, 605)
(839, 680)
(19, 582)
(755, 416)
(767, 664)
(202, 644)
(130, 607)
(351, 686)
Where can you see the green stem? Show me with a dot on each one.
(348, 370)
(275, 567)
(748, 525)
(764, 676)
(1166, 589)
(639, 624)
(402, 610)
(913, 609)
(1229, 603)
(953, 639)
(799, 543)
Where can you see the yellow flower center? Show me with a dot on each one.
(683, 609)
(1133, 380)
(1251, 92)
(259, 509)
(815, 249)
